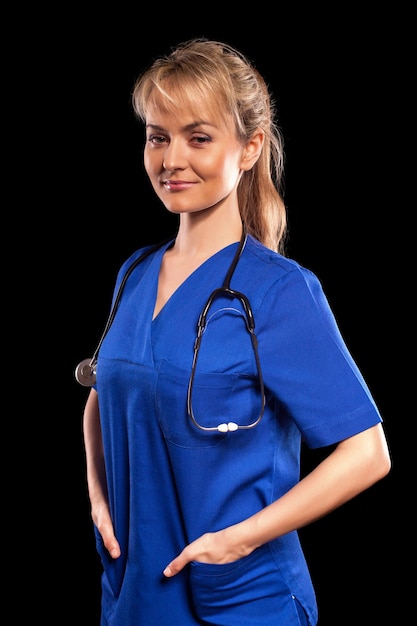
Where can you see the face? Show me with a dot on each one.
(193, 163)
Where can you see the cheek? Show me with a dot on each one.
(219, 165)
(230, 169)
(152, 162)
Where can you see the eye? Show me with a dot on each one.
(156, 139)
(201, 139)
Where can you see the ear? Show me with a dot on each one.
(252, 150)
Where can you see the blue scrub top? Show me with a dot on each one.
(170, 482)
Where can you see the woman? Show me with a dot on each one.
(193, 445)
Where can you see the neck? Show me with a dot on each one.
(197, 235)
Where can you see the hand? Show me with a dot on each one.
(103, 521)
(217, 548)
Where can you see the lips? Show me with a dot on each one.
(177, 185)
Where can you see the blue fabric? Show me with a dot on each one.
(170, 482)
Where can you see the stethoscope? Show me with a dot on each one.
(85, 372)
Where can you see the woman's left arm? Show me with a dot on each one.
(354, 465)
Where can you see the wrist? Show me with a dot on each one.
(242, 537)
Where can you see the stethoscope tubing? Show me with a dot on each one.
(85, 372)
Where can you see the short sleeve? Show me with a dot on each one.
(306, 364)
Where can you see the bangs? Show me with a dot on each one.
(179, 92)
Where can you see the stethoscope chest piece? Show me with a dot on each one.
(85, 373)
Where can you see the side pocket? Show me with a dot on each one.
(243, 593)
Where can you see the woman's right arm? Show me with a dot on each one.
(96, 474)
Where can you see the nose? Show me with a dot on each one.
(174, 157)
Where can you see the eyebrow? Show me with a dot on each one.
(188, 127)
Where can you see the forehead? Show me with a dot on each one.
(188, 105)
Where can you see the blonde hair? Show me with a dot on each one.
(217, 74)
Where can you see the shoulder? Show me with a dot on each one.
(273, 266)
(141, 255)
(268, 277)
(146, 251)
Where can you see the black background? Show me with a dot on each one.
(340, 87)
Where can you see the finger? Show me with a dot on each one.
(114, 550)
(175, 566)
(111, 544)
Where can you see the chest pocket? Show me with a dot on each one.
(225, 383)
(217, 398)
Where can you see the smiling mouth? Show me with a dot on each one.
(177, 185)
